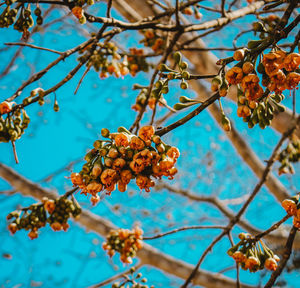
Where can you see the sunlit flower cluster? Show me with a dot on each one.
(108, 61)
(279, 72)
(292, 207)
(156, 42)
(123, 157)
(55, 212)
(253, 255)
(126, 242)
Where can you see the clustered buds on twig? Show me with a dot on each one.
(125, 156)
(24, 21)
(126, 242)
(253, 254)
(156, 42)
(289, 155)
(105, 58)
(55, 212)
(132, 280)
(279, 70)
(292, 207)
(13, 126)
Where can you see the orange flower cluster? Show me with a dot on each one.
(136, 61)
(249, 82)
(153, 40)
(108, 61)
(122, 158)
(250, 255)
(280, 69)
(124, 241)
(292, 207)
(55, 212)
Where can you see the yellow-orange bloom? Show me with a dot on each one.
(77, 12)
(292, 62)
(173, 153)
(108, 176)
(239, 257)
(56, 226)
(146, 132)
(250, 81)
(76, 179)
(144, 182)
(289, 206)
(49, 206)
(121, 139)
(33, 234)
(5, 107)
(271, 264)
(12, 227)
(292, 80)
(93, 188)
(126, 176)
(234, 75)
(118, 164)
(136, 143)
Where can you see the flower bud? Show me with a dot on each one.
(105, 132)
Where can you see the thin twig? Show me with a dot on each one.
(285, 257)
(182, 229)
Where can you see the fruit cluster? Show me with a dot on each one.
(24, 21)
(156, 42)
(13, 126)
(124, 241)
(137, 61)
(292, 207)
(125, 156)
(289, 155)
(55, 212)
(107, 59)
(253, 255)
(132, 280)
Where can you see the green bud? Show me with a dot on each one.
(226, 123)
(177, 57)
(186, 75)
(183, 85)
(82, 20)
(165, 68)
(159, 84)
(37, 11)
(258, 26)
(184, 99)
(183, 65)
(56, 107)
(165, 90)
(252, 44)
(122, 129)
(180, 106)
